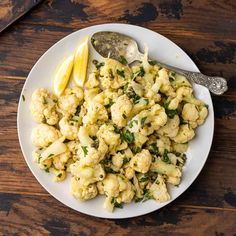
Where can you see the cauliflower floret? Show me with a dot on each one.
(59, 161)
(92, 81)
(184, 135)
(69, 128)
(43, 107)
(45, 164)
(181, 93)
(163, 143)
(190, 112)
(171, 128)
(139, 139)
(128, 194)
(86, 174)
(159, 190)
(118, 159)
(111, 185)
(158, 117)
(70, 100)
(112, 139)
(179, 147)
(73, 147)
(120, 110)
(202, 115)
(172, 172)
(141, 161)
(82, 192)
(129, 173)
(162, 83)
(95, 112)
(113, 74)
(91, 156)
(42, 135)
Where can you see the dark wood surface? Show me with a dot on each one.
(12, 10)
(206, 30)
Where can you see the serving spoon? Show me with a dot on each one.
(114, 45)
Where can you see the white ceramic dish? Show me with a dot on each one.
(41, 75)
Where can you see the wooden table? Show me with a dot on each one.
(206, 30)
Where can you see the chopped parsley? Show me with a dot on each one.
(109, 104)
(124, 116)
(165, 157)
(146, 196)
(144, 179)
(109, 170)
(85, 150)
(205, 105)
(116, 129)
(110, 72)
(152, 148)
(50, 155)
(141, 73)
(120, 73)
(115, 203)
(99, 65)
(143, 121)
(125, 160)
(152, 63)
(131, 123)
(23, 97)
(47, 170)
(128, 137)
(169, 112)
(123, 60)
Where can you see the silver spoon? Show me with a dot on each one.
(113, 45)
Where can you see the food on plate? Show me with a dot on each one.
(123, 132)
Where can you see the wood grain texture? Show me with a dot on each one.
(206, 30)
(12, 10)
(18, 212)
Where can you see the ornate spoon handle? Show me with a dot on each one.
(217, 85)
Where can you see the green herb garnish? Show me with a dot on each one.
(143, 121)
(152, 148)
(146, 196)
(124, 116)
(131, 124)
(128, 137)
(23, 97)
(120, 73)
(125, 160)
(110, 103)
(47, 170)
(99, 65)
(116, 129)
(165, 157)
(141, 73)
(115, 203)
(50, 155)
(123, 60)
(169, 112)
(85, 150)
(110, 72)
(152, 63)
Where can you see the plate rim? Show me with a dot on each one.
(113, 216)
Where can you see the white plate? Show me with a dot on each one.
(41, 75)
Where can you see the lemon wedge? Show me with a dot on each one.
(62, 75)
(80, 63)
